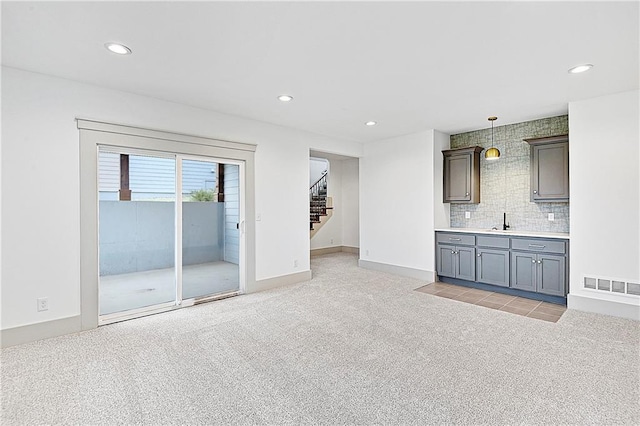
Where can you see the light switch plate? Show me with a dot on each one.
(551, 216)
(467, 215)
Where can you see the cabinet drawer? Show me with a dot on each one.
(544, 246)
(457, 239)
(497, 242)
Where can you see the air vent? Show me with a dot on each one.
(589, 283)
(617, 286)
(611, 285)
(633, 288)
(604, 285)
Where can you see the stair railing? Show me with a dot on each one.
(318, 200)
(320, 184)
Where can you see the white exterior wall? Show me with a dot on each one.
(41, 247)
(396, 202)
(604, 149)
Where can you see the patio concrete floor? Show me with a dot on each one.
(119, 293)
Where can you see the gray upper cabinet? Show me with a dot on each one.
(550, 168)
(462, 175)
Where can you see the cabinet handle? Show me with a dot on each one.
(455, 239)
(453, 252)
(539, 261)
(467, 194)
(535, 192)
(533, 261)
(479, 254)
(540, 246)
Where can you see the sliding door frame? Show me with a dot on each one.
(241, 226)
(94, 134)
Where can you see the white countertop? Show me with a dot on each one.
(511, 233)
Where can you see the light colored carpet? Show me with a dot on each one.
(351, 346)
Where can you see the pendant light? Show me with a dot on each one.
(492, 153)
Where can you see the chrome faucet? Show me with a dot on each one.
(505, 226)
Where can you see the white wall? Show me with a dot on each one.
(396, 202)
(440, 217)
(40, 248)
(605, 196)
(350, 203)
(441, 214)
(317, 166)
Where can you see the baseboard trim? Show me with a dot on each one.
(398, 270)
(38, 331)
(275, 282)
(605, 307)
(335, 249)
(353, 250)
(325, 250)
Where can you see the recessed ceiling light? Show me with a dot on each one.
(580, 68)
(371, 123)
(120, 49)
(285, 98)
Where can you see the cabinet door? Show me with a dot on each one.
(551, 275)
(466, 263)
(523, 271)
(445, 260)
(550, 172)
(457, 182)
(493, 267)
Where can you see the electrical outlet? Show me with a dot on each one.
(258, 217)
(551, 217)
(467, 215)
(43, 304)
(295, 263)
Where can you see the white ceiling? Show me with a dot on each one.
(409, 66)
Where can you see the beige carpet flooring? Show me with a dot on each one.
(351, 346)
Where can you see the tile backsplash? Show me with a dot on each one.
(504, 184)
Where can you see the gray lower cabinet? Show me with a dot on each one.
(536, 264)
(539, 265)
(456, 262)
(542, 273)
(492, 266)
(523, 271)
(551, 275)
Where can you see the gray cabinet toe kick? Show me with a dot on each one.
(536, 268)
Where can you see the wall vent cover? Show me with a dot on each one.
(611, 285)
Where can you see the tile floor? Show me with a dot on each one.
(502, 302)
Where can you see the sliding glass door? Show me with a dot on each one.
(210, 222)
(169, 231)
(136, 231)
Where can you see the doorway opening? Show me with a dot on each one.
(333, 203)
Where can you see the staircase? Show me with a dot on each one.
(320, 206)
